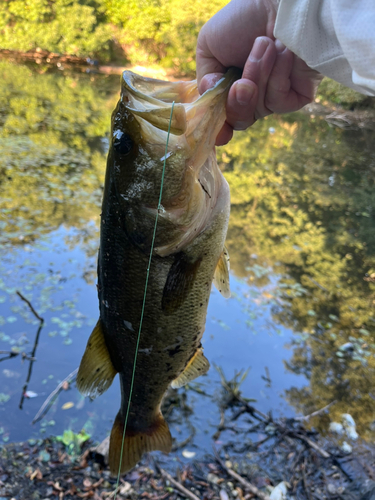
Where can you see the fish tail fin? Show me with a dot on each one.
(96, 371)
(156, 437)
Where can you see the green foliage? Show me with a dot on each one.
(148, 31)
(334, 92)
(165, 31)
(73, 441)
(65, 26)
(303, 203)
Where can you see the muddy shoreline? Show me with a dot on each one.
(252, 456)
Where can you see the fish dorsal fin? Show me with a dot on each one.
(161, 116)
(136, 442)
(179, 282)
(96, 371)
(198, 365)
(221, 276)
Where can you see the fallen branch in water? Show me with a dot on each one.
(51, 398)
(13, 354)
(314, 414)
(30, 306)
(313, 445)
(250, 487)
(32, 355)
(177, 445)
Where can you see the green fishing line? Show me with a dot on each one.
(144, 302)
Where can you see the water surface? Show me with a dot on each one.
(301, 239)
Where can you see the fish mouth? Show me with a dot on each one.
(193, 180)
(150, 102)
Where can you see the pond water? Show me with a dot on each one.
(301, 239)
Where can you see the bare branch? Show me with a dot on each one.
(250, 487)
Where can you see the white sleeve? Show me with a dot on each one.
(335, 37)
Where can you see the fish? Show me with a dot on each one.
(188, 254)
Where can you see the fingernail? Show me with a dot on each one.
(244, 93)
(280, 47)
(259, 48)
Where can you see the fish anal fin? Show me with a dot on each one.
(96, 371)
(221, 276)
(179, 281)
(156, 437)
(198, 365)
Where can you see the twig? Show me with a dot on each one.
(13, 354)
(313, 445)
(253, 489)
(314, 414)
(31, 307)
(252, 409)
(221, 426)
(32, 355)
(9, 355)
(308, 492)
(183, 443)
(175, 483)
(317, 284)
(51, 398)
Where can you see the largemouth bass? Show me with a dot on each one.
(188, 254)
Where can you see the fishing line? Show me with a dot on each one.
(144, 302)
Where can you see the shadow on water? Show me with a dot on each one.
(301, 240)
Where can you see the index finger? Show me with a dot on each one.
(209, 69)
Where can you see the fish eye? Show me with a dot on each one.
(123, 144)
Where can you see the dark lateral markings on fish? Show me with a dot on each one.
(189, 253)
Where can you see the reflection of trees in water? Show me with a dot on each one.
(51, 156)
(303, 202)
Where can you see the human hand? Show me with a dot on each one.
(274, 80)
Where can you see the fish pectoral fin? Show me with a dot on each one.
(221, 276)
(96, 371)
(198, 365)
(156, 437)
(161, 117)
(179, 282)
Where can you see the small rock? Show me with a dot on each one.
(351, 433)
(347, 420)
(280, 491)
(212, 478)
(44, 456)
(336, 427)
(331, 489)
(346, 448)
(224, 495)
(228, 464)
(126, 489)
